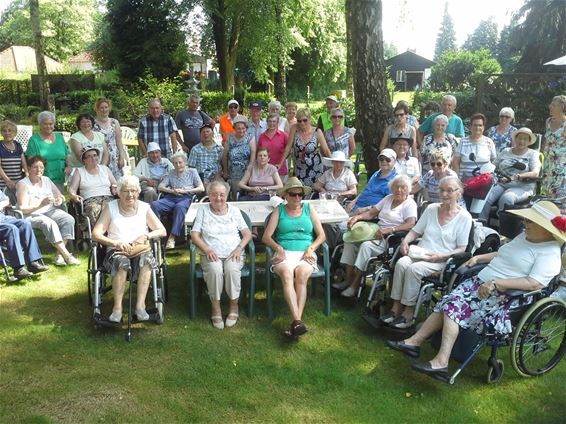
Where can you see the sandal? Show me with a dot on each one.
(232, 319)
(298, 328)
(217, 322)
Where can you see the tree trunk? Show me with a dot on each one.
(219, 32)
(39, 57)
(369, 75)
(281, 74)
(349, 76)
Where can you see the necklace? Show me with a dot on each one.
(11, 149)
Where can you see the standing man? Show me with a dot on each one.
(158, 127)
(206, 157)
(455, 124)
(227, 120)
(190, 121)
(256, 125)
(324, 122)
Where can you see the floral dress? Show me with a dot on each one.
(554, 171)
(340, 143)
(501, 140)
(430, 146)
(110, 139)
(307, 160)
(239, 153)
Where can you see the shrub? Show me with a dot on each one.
(17, 114)
(214, 103)
(464, 109)
(66, 122)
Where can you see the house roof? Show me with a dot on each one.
(411, 61)
(82, 57)
(22, 59)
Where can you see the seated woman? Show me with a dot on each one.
(13, 166)
(339, 179)
(502, 133)
(95, 183)
(124, 223)
(290, 233)
(444, 229)
(528, 262)
(396, 212)
(216, 232)
(431, 180)
(38, 199)
(514, 165)
(179, 186)
(260, 178)
(406, 165)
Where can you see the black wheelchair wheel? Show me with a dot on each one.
(495, 371)
(90, 278)
(539, 340)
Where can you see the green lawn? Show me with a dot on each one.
(55, 367)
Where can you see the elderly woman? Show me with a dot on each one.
(291, 232)
(528, 262)
(340, 137)
(501, 133)
(12, 159)
(95, 183)
(396, 212)
(554, 149)
(438, 141)
(221, 234)
(260, 178)
(238, 152)
(275, 140)
(514, 166)
(50, 146)
(125, 223)
(178, 188)
(274, 107)
(431, 180)
(400, 129)
(38, 199)
(473, 151)
(339, 180)
(86, 136)
(406, 165)
(444, 229)
(112, 132)
(291, 112)
(305, 141)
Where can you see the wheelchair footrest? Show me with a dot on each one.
(373, 319)
(102, 321)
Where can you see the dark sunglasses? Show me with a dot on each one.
(439, 164)
(384, 158)
(337, 117)
(233, 107)
(302, 120)
(296, 194)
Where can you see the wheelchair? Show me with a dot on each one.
(83, 226)
(537, 342)
(99, 283)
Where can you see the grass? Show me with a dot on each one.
(56, 368)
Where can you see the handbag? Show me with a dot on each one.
(478, 186)
(136, 250)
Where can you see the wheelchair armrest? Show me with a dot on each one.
(470, 270)
(12, 211)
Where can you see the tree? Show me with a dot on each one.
(373, 103)
(67, 27)
(145, 35)
(505, 53)
(446, 38)
(483, 37)
(541, 36)
(39, 56)
(455, 71)
(389, 50)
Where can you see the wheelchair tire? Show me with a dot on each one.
(90, 278)
(159, 306)
(539, 340)
(495, 372)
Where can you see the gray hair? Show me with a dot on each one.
(45, 116)
(452, 178)
(440, 117)
(451, 98)
(179, 154)
(154, 100)
(130, 181)
(508, 111)
(215, 183)
(274, 103)
(400, 180)
(561, 100)
(194, 96)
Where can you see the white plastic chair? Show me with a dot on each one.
(23, 135)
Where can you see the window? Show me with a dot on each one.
(400, 76)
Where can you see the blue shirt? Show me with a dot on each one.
(455, 125)
(376, 189)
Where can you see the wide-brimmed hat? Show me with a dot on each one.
(153, 147)
(239, 120)
(293, 182)
(407, 139)
(361, 231)
(389, 153)
(337, 156)
(87, 149)
(547, 215)
(527, 131)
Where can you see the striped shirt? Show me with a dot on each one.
(11, 163)
(158, 131)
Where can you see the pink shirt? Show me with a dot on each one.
(262, 179)
(276, 146)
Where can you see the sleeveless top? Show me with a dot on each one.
(37, 194)
(94, 184)
(97, 142)
(127, 228)
(264, 179)
(294, 234)
(340, 143)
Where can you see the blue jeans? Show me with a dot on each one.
(179, 205)
(20, 241)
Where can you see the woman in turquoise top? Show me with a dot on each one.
(294, 227)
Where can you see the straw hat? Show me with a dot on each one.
(87, 149)
(547, 215)
(527, 131)
(337, 156)
(361, 231)
(293, 182)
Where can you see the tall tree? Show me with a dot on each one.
(39, 56)
(484, 37)
(506, 56)
(446, 38)
(541, 36)
(370, 76)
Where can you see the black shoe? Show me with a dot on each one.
(412, 351)
(298, 328)
(426, 368)
(37, 267)
(21, 273)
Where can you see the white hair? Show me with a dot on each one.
(451, 98)
(130, 181)
(508, 111)
(440, 117)
(45, 116)
(215, 183)
(274, 103)
(400, 180)
(179, 154)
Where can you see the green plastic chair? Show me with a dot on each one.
(248, 271)
(323, 272)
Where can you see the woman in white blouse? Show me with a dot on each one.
(216, 232)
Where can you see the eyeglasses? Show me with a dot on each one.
(398, 115)
(505, 116)
(384, 159)
(447, 190)
(302, 120)
(295, 194)
(434, 164)
(337, 117)
(233, 107)
(129, 191)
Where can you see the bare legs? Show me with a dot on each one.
(294, 287)
(119, 285)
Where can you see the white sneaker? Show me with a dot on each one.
(350, 292)
(60, 261)
(142, 315)
(115, 317)
(71, 260)
(341, 285)
(170, 244)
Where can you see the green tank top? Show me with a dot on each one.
(294, 234)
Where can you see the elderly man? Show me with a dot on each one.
(20, 242)
(206, 156)
(158, 127)
(275, 107)
(324, 121)
(227, 120)
(455, 124)
(190, 121)
(151, 170)
(256, 125)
